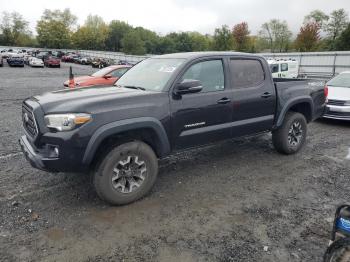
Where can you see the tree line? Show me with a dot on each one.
(59, 29)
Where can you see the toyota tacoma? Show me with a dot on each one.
(164, 104)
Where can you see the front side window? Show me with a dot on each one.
(209, 73)
(284, 67)
(246, 73)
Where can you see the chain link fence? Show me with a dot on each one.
(317, 64)
(312, 64)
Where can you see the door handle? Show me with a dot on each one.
(266, 95)
(224, 100)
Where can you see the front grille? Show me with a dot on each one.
(29, 123)
(336, 102)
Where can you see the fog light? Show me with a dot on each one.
(53, 151)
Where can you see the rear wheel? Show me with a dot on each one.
(290, 137)
(126, 174)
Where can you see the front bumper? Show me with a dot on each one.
(15, 63)
(37, 65)
(68, 160)
(53, 63)
(35, 159)
(337, 112)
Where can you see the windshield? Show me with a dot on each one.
(102, 72)
(150, 74)
(342, 80)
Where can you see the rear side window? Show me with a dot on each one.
(246, 73)
(284, 67)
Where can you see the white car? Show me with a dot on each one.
(283, 68)
(35, 62)
(338, 105)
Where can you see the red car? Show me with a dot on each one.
(105, 76)
(69, 57)
(52, 61)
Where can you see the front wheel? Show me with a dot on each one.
(290, 137)
(126, 174)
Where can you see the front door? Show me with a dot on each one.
(205, 116)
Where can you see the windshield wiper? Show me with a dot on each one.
(133, 87)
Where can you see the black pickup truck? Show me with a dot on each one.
(161, 105)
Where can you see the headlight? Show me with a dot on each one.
(66, 122)
(347, 103)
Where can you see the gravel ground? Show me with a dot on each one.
(233, 201)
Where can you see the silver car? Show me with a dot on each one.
(338, 105)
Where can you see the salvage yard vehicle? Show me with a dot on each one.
(125, 62)
(68, 57)
(42, 55)
(52, 61)
(35, 62)
(105, 76)
(161, 105)
(5, 53)
(84, 60)
(284, 68)
(15, 60)
(338, 104)
(58, 54)
(102, 62)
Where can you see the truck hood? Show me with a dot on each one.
(89, 99)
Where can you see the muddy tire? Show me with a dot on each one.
(290, 137)
(126, 174)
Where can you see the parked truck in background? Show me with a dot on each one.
(161, 105)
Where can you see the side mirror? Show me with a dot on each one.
(108, 76)
(188, 86)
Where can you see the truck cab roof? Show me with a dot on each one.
(195, 55)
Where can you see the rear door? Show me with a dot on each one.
(254, 98)
(203, 117)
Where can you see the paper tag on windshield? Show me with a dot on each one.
(167, 69)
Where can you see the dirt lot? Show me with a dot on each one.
(234, 201)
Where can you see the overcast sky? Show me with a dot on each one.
(164, 16)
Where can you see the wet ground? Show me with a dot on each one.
(233, 201)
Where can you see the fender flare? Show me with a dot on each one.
(290, 104)
(126, 125)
